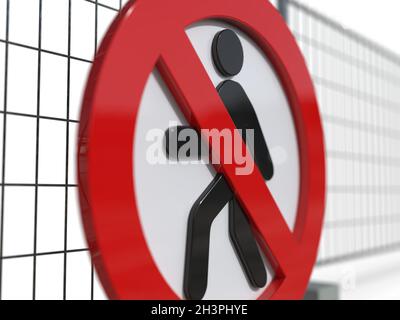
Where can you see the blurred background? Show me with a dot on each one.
(352, 53)
(46, 48)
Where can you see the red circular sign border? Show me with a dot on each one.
(111, 103)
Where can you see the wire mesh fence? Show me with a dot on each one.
(358, 87)
(46, 49)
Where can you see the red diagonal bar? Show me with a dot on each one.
(203, 108)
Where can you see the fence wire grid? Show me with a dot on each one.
(358, 88)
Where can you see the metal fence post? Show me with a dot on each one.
(283, 8)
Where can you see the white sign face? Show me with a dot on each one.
(166, 192)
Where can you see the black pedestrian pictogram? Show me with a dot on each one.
(228, 57)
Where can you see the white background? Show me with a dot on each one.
(375, 19)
